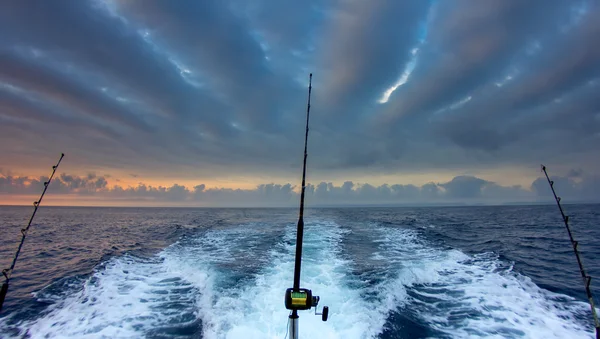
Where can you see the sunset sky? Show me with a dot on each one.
(203, 103)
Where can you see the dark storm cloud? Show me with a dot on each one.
(549, 90)
(213, 41)
(90, 39)
(34, 75)
(366, 47)
(468, 44)
(575, 173)
(585, 188)
(217, 88)
(80, 49)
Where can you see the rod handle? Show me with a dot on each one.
(3, 292)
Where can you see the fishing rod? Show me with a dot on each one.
(586, 278)
(297, 298)
(8, 271)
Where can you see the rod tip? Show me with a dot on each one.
(311, 74)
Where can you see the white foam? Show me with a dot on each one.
(195, 281)
(127, 296)
(257, 310)
(131, 297)
(476, 296)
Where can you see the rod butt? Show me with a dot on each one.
(3, 292)
(293, 325)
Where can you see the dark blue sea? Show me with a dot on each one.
(441, 272)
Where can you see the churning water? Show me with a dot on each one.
(450, 272)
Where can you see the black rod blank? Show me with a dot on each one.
(300, 233)
(586, 278)
(8, 271)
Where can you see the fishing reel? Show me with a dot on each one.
(302, 299)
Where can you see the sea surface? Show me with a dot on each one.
(441, 272)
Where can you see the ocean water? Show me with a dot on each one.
(443, 272)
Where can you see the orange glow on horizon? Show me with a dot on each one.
(73, 200)
(501, 176)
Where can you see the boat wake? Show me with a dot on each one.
(230, 283)
(458, 295)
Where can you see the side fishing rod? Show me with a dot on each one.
(8, 271)
(587, 280)
(297, 298)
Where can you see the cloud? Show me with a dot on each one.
(467, 44)
(464, 187)
(234, 65)
(575, 173)
(461, 189)
(217, 89)
(569, 188)
(366, 47)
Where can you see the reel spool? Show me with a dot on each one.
(302, 299)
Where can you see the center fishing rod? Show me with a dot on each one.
(36, 204)
(297, 298)
(587, 280)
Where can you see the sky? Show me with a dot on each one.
(203, 103)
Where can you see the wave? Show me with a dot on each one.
(459, 295)
(230, 282)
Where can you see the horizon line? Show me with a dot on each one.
(319, 206)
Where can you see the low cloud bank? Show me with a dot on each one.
(575, 187)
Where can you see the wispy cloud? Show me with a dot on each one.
(216, 89)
